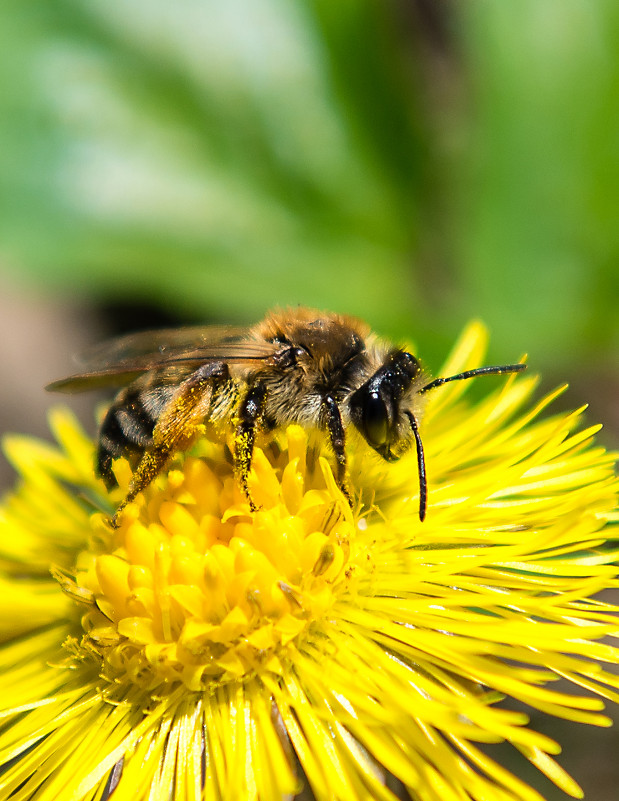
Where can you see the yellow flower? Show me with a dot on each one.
(204, 651)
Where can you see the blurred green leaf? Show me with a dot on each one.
(200, 156)
(221, 158)
(539, 195)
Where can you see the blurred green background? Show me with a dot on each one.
(415, 163)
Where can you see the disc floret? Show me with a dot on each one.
(192, 587)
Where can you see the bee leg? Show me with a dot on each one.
(250, 412)
(177, 426)
(337, 438)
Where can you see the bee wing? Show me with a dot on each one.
(120, 360)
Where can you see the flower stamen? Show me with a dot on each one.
(187, 588)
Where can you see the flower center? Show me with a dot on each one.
(193, 587)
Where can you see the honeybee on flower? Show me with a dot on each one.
(202, 649)
(320, 370)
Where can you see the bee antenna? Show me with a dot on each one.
(421, 467)
(503, 368)
(437, 382)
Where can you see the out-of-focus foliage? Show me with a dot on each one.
(539, 233)
(219, 158)
(216, 156)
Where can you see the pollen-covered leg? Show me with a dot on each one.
(337, 438)
(250, 413)
(177, 426)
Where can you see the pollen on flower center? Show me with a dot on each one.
(192, 587)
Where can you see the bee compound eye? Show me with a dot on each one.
(375, 420)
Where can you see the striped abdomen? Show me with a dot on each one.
(127, 428)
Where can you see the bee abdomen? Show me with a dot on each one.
(127, 428)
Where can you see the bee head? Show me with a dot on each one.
(379, 409)
(375, 407)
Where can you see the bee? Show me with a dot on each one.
(320, 370)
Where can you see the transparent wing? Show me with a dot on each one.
(120, 360)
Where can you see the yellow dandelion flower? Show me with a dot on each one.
(201, 650)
